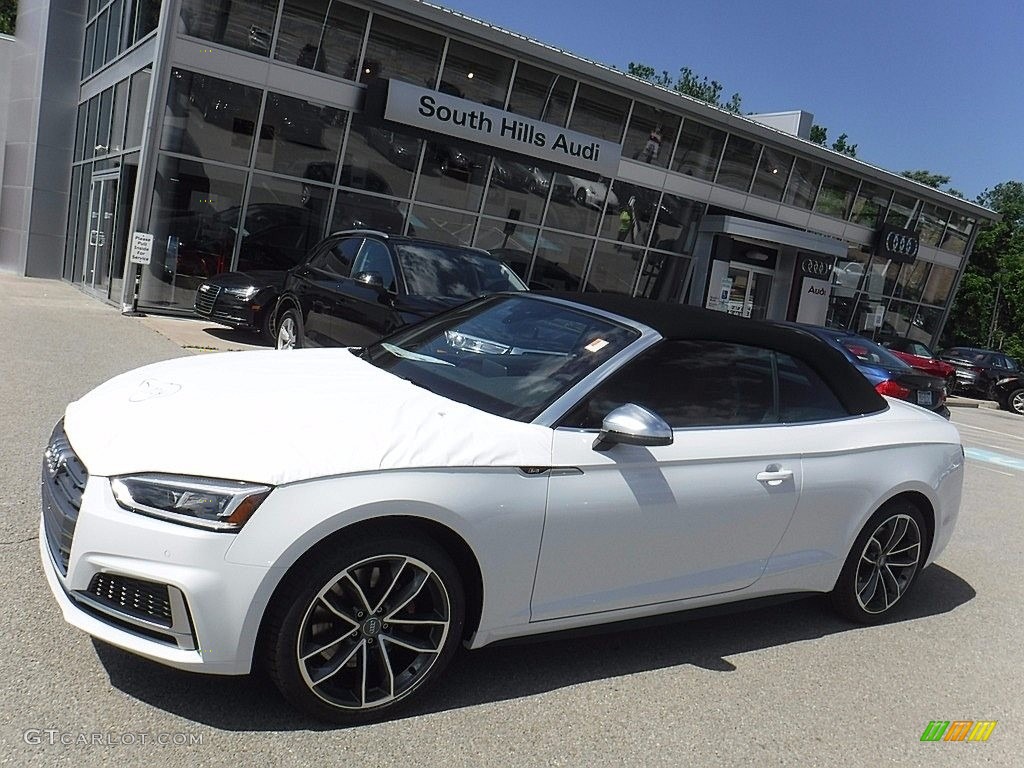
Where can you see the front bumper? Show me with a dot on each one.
(210, 602)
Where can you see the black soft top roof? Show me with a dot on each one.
(680, 322)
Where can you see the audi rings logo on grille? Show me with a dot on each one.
(900, 245)
(818, 268)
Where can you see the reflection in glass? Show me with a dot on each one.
(912, 279)
(475, 74)
(675, 226)
(71, 232)
(650, 135)
(577, 204)
(518, 189)
(82, 234)
(90, 42)
(402, 52)
(871, 204)
(125, 195)
(103, 125)
(849, 274)
(772, 174)
(902, 211)
(663, 276)
(931, 223)
(511, 242)
(699, 150)
(101, 40)
(939, 285)
(210, 117)
(138, 94)
(838, 191)
(541, 95)
(630, 219)
(83, 109)
(120, 116)
(957, 234)
(92, 116)
(113, 32)
(738, 161)
(300, 138)
(803, 183)
(452, 175)
(928, 319)
(560, 261)
(441, 225)
(248, 26)
(899, 322)
(322, 35)
(194, 218)
(389, 158)
(599, 113)
(283, 220)
(881, 277)
(353, 210)
(613, 268)
(147, 17)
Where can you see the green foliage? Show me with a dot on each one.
(8, 14)
(689, 83)
(929, 179)
(996, 266)
(819, 135)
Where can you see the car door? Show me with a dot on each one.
(317, 285)
(364, 304)
(636, 525)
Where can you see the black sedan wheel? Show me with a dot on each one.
(883, 564)
(1015, 402)
(289, 330)
(364, 627)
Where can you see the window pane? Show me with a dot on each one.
(194, 217)
(247, 26)
(541, 95)
(932, 222)
(939, 285)
(300, 138)
(283, 220)
(138, 95)
(117, 123)
(90, 42)
(512, 243)
(89, 140)
(114, 31)
(614, 268)
(903, 211)
(402, 52)
(803, 183)
(517, 191)
(898, 321)
(475, 74)
(650, 135)
(837, 194)
(210, 117)
(84, 225)
(146, 18)
(380, 160)
(663, 276)
(871, 205)
(772, 174)
(560, 261)
(103, 124)
(803, 396)
(452, 175)
(912, 280)
(927, 320)
(125, 195)
(323, 35)
(72, 229)
(80, 140)
(355, 211)
(99, 49)
(675, 225)
(443, 226)
(599, 113)
(881, 277)
(577, 204)
(629, 218)
(738, 162)
(700, 147)
(957, 234)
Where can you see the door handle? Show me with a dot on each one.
(774, 475)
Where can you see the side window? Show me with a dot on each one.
(375, 258)
(803, 396)
(337, 257)
(689, 384)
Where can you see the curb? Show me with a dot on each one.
(957, 402)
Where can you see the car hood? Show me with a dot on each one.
(279, 417)
(260, 278)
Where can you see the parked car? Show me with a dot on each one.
(593, 194)
(403, 151)
(243, 300)
(978, 370)
(919, 356)
(1009, 393)
(518, 466)
(888, 374)
(360, 285)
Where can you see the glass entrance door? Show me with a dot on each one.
(749, 291)
(100, 234)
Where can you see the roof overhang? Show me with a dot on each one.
(774, 234)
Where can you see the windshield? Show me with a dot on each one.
(871, 353)
(437, 270)
(508, 355)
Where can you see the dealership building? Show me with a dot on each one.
(239, 132)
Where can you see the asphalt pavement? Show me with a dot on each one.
(784, 685)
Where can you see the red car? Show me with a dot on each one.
(919, 356)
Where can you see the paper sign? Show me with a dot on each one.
(142, 248)
(596, 345)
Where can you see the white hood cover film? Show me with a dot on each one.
(279, 417)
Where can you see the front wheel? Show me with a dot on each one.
(883, 564)
(1015, 402)
(289, 330)
(364, 627)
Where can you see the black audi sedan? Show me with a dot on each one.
(357, 286)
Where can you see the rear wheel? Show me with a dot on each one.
(1015, 401)
(883, 564)
(289, 330)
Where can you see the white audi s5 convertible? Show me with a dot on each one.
(346, 518)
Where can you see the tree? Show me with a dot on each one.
(933, 180)
(8, 14)
(819, 135)
(689, 83)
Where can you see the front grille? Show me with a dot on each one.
(61, 487)
(132, 597)
(206, 297)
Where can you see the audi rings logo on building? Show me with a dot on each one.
(902, 245)
(816, 268)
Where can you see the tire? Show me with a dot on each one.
(267, 329)
(581, 196)
(896, 536)
(289, 331)
(1015, 401)
(318, 614)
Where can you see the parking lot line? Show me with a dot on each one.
(993, 431)
(992, 457)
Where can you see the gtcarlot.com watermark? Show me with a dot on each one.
(55, 736)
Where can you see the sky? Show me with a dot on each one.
(926, 84)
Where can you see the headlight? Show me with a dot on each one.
(217, 505)
(243, 293)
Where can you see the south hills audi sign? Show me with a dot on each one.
(463, 119)
(899, 245)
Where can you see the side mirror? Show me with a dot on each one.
(632, 424)
(370, 279)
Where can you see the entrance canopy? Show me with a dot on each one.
(760, 231)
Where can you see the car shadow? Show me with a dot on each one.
(534, 665)
(238, 336)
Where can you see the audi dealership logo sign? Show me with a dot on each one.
(816, 267)
(900, 245)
